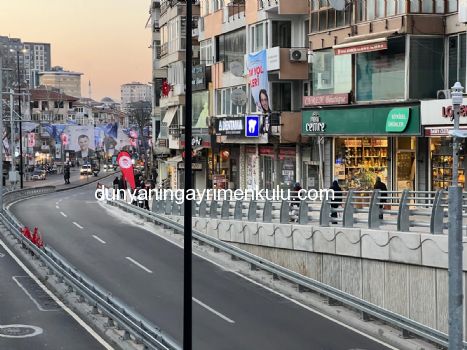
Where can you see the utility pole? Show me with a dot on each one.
(12, 138)
(20, 124)
(187, 263)
(455, 233)
(1, 134)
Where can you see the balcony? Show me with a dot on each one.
(234, 11)
(284, 7)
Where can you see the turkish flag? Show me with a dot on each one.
(126, 166)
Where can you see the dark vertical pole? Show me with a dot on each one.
(20, 126)
(187, 288)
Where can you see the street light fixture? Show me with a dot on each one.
(455, 231)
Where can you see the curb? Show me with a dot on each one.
(84, 184)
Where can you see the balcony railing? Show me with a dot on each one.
(233, 11)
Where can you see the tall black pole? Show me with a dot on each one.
(187, 280)
(20, 126)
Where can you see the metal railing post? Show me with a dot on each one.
(168, 207)
(252, 210)
(349, 210)
(202, 208)
(175, 208)
(193, 208)
(374, 213)
(403, 217)
(324, 213)
(437, 214)
(213, 209)
(285, 210)
(267, 211)
(303, 213)
(225, 210)
(238, 211)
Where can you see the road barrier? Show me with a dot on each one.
(335, 296)
(134, 325)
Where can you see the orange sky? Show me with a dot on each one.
(104, 39)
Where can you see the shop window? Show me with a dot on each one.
(405, 163)
(456, 59)
(282, 34)
(359, 161)
(441, 163)
(331, 74)
(281, 96)
(426, 66)
(381, 74)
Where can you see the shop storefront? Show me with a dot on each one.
(436, 121)
(368, 142)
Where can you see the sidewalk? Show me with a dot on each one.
(76, 180)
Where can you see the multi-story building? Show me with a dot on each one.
(37, 58)
(134, 92)
(376, 104)
(66, 81)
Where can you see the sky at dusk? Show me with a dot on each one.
(104, 39)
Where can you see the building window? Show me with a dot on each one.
(282, 34)
(331, 74)
(226, 105)
(206, 52)
(368, 10)
(324, 17)
(456, 53)
(426, 66)
(258, 37)
(231, 47)
(281, 96)
(381, 74)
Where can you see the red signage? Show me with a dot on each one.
(359, 48)
(447, 112)
(126, 166)
(334, 99)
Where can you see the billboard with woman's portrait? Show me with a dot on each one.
(257, 72)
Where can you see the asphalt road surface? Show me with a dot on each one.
(146, 272)
(30, 318)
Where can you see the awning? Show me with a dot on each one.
(364, 43)
(169, 115)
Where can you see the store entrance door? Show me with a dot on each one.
(405, 164)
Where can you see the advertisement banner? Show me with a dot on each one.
(258, 79)
(58, 151)
(126, 166)
(31, 139)
(81, 140)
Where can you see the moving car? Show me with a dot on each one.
(38, 175)
(85, 169)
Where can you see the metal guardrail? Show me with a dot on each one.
(403, 210)
(335, 295)
(115, 310)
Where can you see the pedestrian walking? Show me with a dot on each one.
(115, 183)
(380, 185)
(66, 174)
(337, 199)
(295, 205)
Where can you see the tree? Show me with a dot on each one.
(139, 114)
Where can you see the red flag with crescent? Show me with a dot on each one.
(126, 166)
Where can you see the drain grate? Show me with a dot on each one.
(42, 300)
(19, 331)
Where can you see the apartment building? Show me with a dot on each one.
(37, 58)
(378, 102)
(67, 82)
(135, 92)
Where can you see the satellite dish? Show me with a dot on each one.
(338, 5)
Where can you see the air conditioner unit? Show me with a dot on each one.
(298, 55)
(443, 94)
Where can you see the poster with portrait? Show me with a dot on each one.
(123, 139)
(81, 140)
(257, 72)
(106, 137)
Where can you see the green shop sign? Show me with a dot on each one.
(363, 121)
(398, 118)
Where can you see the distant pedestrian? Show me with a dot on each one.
(379, 185)
(295, 205)
(337, 198)
(116, 182)
(66, 174)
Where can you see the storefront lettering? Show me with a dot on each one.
(448, 111)
(230, 125)
(315, 124)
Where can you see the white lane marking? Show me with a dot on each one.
(63, 214)
(57, 207)
(15, 278)
(57, 202)
(77, 225)
(99, 239)
(217, 313)
(60, 303)
(223, 268)
(138, 264)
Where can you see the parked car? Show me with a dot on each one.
(85, 169)
(38, 175)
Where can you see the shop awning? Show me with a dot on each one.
(169, 115)
(364, 43)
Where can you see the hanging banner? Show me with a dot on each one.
(58, 151)
(81, 140)
(257, 71)
(126, 166)
(31, 139)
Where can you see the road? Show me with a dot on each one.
(40, 322)
(146, 272)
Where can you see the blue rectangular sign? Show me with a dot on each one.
(252, 126)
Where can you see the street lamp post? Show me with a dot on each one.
(455, 233)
